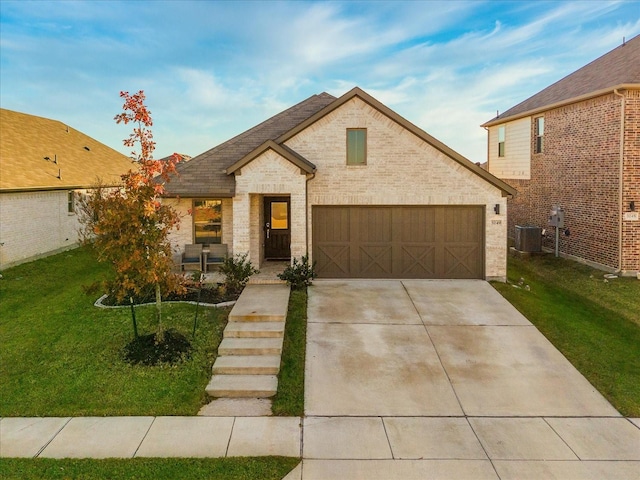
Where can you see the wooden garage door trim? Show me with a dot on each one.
(386, 241)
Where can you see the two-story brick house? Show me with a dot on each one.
(350, 182)
(576, 145)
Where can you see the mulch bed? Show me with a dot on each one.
(208, 294)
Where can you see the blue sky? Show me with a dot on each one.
(211, 70)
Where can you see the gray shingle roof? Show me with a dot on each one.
(204, 175)
(621, 66)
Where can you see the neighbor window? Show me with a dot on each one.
(356, 146)
(501, 135)
(539, 135)
(207, 221)
(71, 201)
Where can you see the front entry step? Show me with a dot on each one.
(250, 346)
(261, 303)
(243, 386)
(254, 330)
(247, 365)
(250, 352)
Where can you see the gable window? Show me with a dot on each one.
(539, 135)
(356, 146)
(71, 201)
(207, 221)
(501, 136)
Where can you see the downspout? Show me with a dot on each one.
(306, 212)
(621, 177)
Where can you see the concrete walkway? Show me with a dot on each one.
(404, 380)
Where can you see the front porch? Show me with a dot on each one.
(268, 273)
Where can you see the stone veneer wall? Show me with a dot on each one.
(267, 175)
(401, 169)
(35, 224)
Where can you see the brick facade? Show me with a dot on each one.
(401, 169)
(35, 224)
(579, 170)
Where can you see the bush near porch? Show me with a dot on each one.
(593, 322)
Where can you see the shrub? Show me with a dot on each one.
(237, 270)
(300, 274)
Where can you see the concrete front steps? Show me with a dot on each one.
(250, 352)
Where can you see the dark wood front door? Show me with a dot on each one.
(277, 228)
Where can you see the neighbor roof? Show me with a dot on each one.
(618, 69)
(205, 174)
(38, 153)
(210, 174)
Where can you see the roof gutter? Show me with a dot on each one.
(621, 177)
(561, 103)
(49, 189)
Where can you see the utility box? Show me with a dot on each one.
(528, 239)
(556, 217)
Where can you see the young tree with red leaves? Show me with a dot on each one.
(129, 227)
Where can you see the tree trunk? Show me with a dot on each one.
(160, 333)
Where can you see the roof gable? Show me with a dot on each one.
(38, 153)
(205, 175)
(619, 68)
(209, 174)
(438, 145)
(282, 150)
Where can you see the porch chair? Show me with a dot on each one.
(192, 257)
(215, 256)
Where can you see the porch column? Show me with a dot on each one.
(241, 231)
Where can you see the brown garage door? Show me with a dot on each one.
(398, 241)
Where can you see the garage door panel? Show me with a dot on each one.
(461, 261)
(399, 241)
(417, 261)
(375, 261)
(418, 225)
(333, 261)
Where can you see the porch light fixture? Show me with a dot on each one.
(496, 209)
(632, 206)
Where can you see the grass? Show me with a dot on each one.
(289, 401)
(61, 356)
(263, 468)
(595, 324)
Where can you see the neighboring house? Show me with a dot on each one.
(44, 164)
(360, 189)
(576, 145)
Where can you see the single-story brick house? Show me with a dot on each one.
(44, 164)
(576, 145)
(363, 191)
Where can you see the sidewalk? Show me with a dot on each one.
(412, 380)
(128, 437)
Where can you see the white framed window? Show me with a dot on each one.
(71, 201)
(501, 139)
(539, 135)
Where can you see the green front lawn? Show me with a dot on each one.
(250, 468)
(595, 324)
(62, 356)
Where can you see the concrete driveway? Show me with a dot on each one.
(445, 379)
